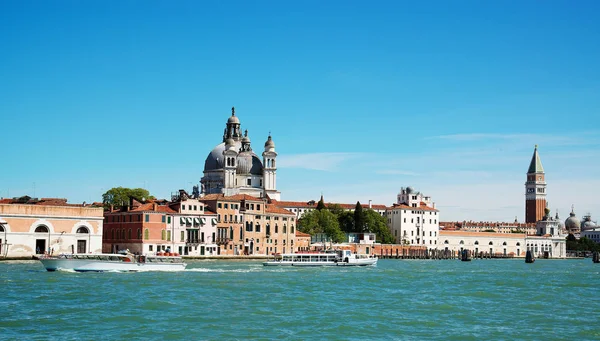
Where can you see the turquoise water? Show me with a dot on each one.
(238, 300)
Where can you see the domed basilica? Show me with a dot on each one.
(232, 167)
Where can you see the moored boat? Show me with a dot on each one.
(333, 258)
(112, 262)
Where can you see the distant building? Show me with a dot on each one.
(301, 207)
(31, 226)
(413, 219)
(483, 243)
(550, 241)
(590, 229)
(249, 225)
(233, 168)
(535, 190)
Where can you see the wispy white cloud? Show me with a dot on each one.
(317, 161)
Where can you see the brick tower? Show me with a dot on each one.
(535, 190)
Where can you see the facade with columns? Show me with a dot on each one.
(535, 190)
(233, 167)
(30, 226)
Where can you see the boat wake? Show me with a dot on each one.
(222, 270)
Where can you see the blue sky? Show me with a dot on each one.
(361, 97)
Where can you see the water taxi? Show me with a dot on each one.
(333, 258)
(112, 262)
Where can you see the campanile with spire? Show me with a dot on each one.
(535, 190)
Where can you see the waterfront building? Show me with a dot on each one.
(486, 243)
(193, 226)
(550, 241)
(233, 168)
(302, 241)
(31, 226)
(413, 219)
(252, 226)
(535, 190)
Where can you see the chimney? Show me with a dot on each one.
(154, 206)
(370, 206)
(112, 208)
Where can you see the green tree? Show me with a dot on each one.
(320, 204)
(375, 223)
(346, 221)
(322, 221)
(359, 218)
(119, 196)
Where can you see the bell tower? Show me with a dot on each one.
(270, 170)
(535, 190)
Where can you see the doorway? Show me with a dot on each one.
(81, 246)
(40, 246)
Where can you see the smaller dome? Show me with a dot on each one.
(245, 139)
(233, 119)
(269, 143)
(572, 223)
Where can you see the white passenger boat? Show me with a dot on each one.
(334, 258)
(112, 262)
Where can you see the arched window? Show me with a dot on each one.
(518, 244)
(284, 228)
(276, 228)
(504, 243)
(491, 243)
(446, 242)
(462, 242)
(41, 229)
(292, 229)
(129, 234)
(139, 233)
(83, 229)
(1, 228)
(146, 234)
(123, 233)
(476, 242)
(163, 234)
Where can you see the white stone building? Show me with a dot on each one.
(413, 220)
(496, 244)
(30, 226)
(233, 168)
(194, 228)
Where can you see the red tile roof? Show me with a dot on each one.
(423, 207)
(150, 207)
(277, 210)
(301, 234)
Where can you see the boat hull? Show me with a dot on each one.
(81, 265)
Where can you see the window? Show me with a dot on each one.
(169, 236)
(149, 247)
(226, 205)
(257, 206)
(163, 234)
(249, 182)
(190, 207)
(219, 205)
(147, 235)
(147, 217)
(163, 219)
(139, 233)
(195, 207)
(169, 219)
(81, 229)
(183, 207)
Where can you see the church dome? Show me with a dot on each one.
(269, 144)
(214, 160)
(587, 224)
(233, 119)
(572, 223)
(249, 163)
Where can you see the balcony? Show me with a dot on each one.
(222, 241)
(192, 242)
